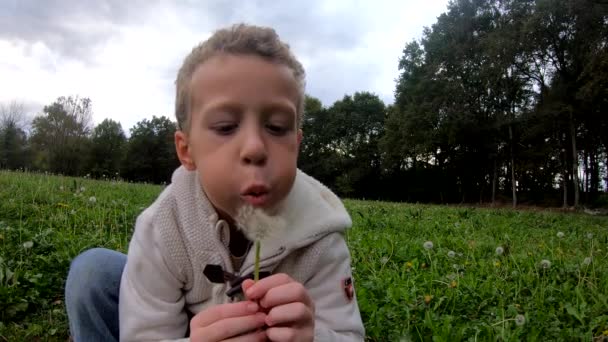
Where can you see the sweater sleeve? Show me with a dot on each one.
(151, 303)
(337, 314)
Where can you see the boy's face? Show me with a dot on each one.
(243, 136)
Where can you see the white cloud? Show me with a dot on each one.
(128, 67)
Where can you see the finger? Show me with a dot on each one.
(219, 312)
(232, 327)
(259, 288)
(283, 334)
(247, 284)
(284, 294)
(258, 336)
(297, 313)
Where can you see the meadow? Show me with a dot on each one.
(421, 272)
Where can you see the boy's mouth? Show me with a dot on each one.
(256, 195)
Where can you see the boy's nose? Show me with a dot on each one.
(254, 149)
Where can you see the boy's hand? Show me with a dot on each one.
(229, 322)
(291, 312)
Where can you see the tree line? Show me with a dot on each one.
(500, 101)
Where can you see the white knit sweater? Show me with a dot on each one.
(179, 234)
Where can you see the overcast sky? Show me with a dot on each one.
(124, 55)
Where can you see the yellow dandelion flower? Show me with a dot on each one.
(63, 205)
(497, 263)
(409, 264)
(453, 284)
(423, 265)
(427, 298)
(605, 333)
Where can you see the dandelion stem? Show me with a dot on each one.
(256, 270)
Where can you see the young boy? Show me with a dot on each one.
(239, 108)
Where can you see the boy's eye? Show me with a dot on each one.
(225, 129)
(276, 129)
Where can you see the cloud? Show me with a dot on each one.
(124, 55)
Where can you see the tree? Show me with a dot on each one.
(150, 155)
(106, 149)
(14, 150)
(60, 135)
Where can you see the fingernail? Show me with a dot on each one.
(253, 307)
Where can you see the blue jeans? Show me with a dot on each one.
(91, 295)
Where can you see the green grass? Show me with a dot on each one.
(405, 291)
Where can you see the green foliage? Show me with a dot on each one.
(404, 291)
(151, 155)
(107, 149)
(60, 136)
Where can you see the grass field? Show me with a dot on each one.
(421, 272)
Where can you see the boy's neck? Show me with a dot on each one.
(239, 244)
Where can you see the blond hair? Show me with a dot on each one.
(239, 39)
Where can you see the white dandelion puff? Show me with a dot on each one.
(384, 260)
(82, 189)
(73, 212)
(587, 261)
(520, 320)
(92, 200)
(61, 188)
(428, 245)
(28, 244)
(560, 234)
(257, 225)
(546, 264)
(499, 250)
(589, 236)
(451, 254)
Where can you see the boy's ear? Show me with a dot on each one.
(182, 147)
(300, 134)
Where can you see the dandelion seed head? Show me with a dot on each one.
(587, 261)
(61, 188)
(451, 254)
(514, 274)
(92, 200)
(520, 320)
(82, 189)
(384, 260)
(256, 224)
(589, 236)
(72, 211)
(428, 245)
(546, 264)
(28, 244)
(560, 234)
(455, 266)
(499, 250)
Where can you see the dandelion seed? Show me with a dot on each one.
(587, 261)
(92, 200)
(546, 264)
(428, 245)
(560, 235)
(520, 320)
(451, 254)
(589, 236)
(384, 260)
(28, 244)
(499, 250)
(257, 225)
